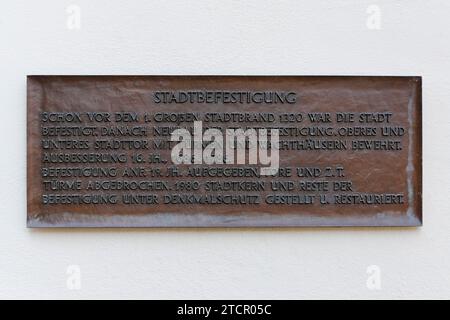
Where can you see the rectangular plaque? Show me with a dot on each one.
(201, 151)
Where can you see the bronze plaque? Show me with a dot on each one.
(224, 151)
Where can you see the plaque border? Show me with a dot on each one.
(246, 220)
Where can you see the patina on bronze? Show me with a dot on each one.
(99, 151)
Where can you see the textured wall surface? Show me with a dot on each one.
(346, 37)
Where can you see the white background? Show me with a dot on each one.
(225, 37)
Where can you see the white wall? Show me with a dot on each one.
(226, 37)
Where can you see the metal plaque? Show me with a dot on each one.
(223, 151)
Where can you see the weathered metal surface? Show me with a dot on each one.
(350, 151)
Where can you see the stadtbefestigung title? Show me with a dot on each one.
(225, 97)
